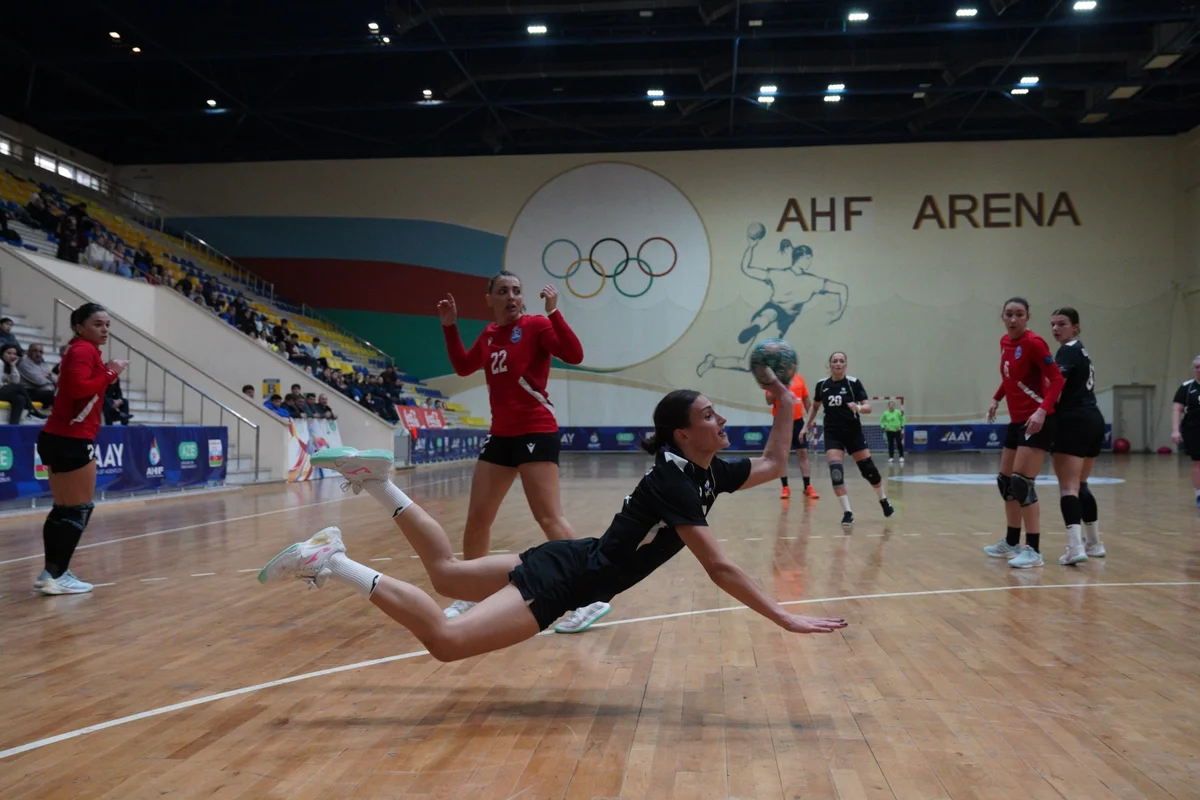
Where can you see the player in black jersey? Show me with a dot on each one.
(845, 400)
(1185, 422)
(1078, 440)
(522, 595)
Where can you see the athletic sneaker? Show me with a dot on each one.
(887, 507)
(307, 561)
(41, 579)
(459, 607)
(1028, 557)
(890, 460)
(66, 583)
(1095, 550)
(581, 619)
(785, 492)
(847, 519)
(1001, 549)
(810, 492)
(901, 459)
(355, 465)
(1073, 555)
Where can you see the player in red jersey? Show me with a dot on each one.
(1031, 384)
(65, 446)
(514, 353)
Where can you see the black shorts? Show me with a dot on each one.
(513, 451)
(798, 442)
(850, 440)
(64, 453)
(1191, 441)
(1042, 440)
(557, 577)
(1080, 433)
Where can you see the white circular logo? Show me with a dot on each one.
(988, 479)
(614, 238)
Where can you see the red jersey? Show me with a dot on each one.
(1030, 376)
(516, 362)
(79, 398)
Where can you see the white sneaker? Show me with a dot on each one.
(1073, 555)
(890, 460)
(459, 607)
(1095, 550)
(581, 619)
(305, 560)
(1028, 557)
(901, 459)
(64, 584)
(354, 465)
(1001, 549)
(41, 579)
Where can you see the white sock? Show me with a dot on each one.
(845, 502)
(1073, 537)
(388, 494)
(353, 574)
(881, 490)
(1092, 531)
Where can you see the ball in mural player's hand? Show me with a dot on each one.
(776, 354)
(756, 231)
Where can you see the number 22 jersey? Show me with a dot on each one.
(515, 360)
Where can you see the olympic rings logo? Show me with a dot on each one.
(621, 267)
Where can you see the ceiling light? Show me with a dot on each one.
(1029, 80)
(966, 12)
(645, 13)
(654, 93)
(1095, 117)
(833, 98)
(658, 103)
(427, 93)
(755, 23)
(1163, 61)
(1085, 5)
(919, 95)
(1124, 92)
(766, 99)
(373, 26)
(386, 40)
(837, 87)
(1020, 91)
(536, 29)
(858, 16)
(768, 89)
(136, 50)
(212, 103)
(114, 34)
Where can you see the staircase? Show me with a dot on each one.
(138, 394)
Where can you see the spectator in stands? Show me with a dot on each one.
(248, 390)
(37, 376)
(68, 239)
(209, 291)
(295, 407)
(145, 261)
(116, 408)
(98, 256)
(42, 216)
(7, 234)
(322, 408)
(11, 390)
(185, 286)
(7, 337)
(245, 321)
(274, 403)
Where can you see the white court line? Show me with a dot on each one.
(211, 522)
(385, 558)
(255, 569)
(755, 539)
(212, 698)
(151, 580)
(202, 574)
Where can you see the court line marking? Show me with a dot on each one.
(198, 525)
(212, 698)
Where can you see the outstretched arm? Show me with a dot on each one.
(773, 462)
(734, 581)
(839, 290)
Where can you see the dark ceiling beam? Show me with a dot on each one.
(781, 33)
(709, 10)
(1183, 79)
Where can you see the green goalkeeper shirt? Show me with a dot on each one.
(892, 421)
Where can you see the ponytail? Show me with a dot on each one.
(673, 412)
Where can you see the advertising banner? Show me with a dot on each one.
(305, 437)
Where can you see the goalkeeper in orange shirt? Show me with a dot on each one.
(799, 435)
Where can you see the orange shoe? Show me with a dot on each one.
(786, 493)
(811, 493)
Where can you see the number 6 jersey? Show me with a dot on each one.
(1079, 376)
(515, 360)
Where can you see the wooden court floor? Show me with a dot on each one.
(957, 677)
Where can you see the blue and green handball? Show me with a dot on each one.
(776, 354)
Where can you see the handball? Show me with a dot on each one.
(756, 231)
(776, 354)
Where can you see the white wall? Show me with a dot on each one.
(31, 139)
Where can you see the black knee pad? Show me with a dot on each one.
(1088, 501)
(870, 471)
(837, 473)
(74, 516)
(1023, 489)
(1004, 482)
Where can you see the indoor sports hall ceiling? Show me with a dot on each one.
(223, 80)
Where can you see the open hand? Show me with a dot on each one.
(447, 311)
(117, 365)
(550, 294)
(798, 624)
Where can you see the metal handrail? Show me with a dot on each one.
(309, 311)
(147, 361)
(261, 285)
